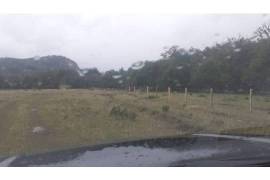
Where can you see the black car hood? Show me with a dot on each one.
(196, 150)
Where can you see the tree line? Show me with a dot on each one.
(237, 64)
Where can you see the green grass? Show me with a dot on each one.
(74, 118)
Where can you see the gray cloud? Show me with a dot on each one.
(114, 41)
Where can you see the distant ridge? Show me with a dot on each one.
(28, 66)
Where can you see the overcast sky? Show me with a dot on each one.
(115, 41)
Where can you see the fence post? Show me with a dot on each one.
(211, 97)
(134, 89)
(147, 90)
(250, 99)
(186, 96)
(169, 91)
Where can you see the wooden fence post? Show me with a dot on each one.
(169, 91)
(211, 97)
(186, 91)
(147, 90)
(250, 99)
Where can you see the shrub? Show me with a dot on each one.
(142, 109)
(201, 95)
(154, 112)
(266, 99)
(234, 98)
(122, 113)
(165, 108)
(152, 97)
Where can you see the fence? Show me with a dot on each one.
(211, 95)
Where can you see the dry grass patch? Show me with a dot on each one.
(73, 118)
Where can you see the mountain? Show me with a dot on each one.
(38, 72)
(29, 66)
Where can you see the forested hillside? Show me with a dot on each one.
(234, 65)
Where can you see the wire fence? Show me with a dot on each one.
(250, 94)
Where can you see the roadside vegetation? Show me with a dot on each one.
(34, 121)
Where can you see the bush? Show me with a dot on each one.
(154, 112)
(165, 108)
(266, 99)
(122, 113)
(142, 109)
(234, 98)
(201, 95)
(152, 97)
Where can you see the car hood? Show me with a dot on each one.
(194, 150)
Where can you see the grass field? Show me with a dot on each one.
(73, 118)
